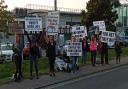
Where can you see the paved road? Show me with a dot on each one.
(114, 79)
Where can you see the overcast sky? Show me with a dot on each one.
(76, 4)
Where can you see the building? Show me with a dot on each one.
(123, 17)
(67, 16)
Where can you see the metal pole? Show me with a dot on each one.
(55, 5)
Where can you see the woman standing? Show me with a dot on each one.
(73, 58)
(118, 51)
(51, 53)
(84, 50)
(33, 54)
(18, 63)
(93, 49)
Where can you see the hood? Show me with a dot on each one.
(7, 52)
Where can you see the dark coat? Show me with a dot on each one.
(118, 49)
(104, 47)
(85, 48)
(51, 50)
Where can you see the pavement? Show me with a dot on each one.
(60, 77)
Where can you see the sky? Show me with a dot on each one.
(76, 4)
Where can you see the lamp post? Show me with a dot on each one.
(55, 5)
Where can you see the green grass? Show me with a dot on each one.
(111, 55)
(7, 69)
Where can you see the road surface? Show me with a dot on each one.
(113, 79)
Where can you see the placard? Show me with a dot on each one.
(100, 24)
(79, 31)
(108, 37)
(33, 24)
(74, 48)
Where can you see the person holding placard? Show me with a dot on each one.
(73, 58)
(93, 50)
(85, 47)
(33, 54)
(118, 51)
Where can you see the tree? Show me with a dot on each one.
(5, 17)
(98, 10)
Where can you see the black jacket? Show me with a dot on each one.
(51, 50)
(85, 48)
(118, 49)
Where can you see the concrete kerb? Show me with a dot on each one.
(79, 76)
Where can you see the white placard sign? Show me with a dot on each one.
(100, 24)
(33, 24)
(74, 49)
(52, 22)
(108, 37)
(79, 31)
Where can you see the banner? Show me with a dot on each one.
(52, 22)
(100, 24)
(79, 31)
(74, 49)
(33, 24)
(120, 34)
(108, 37)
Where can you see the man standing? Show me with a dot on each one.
(104, 53)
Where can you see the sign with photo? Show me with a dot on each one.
(74, 49)
(100, 24)
(52, 22)
(79, 31)
(33, 24)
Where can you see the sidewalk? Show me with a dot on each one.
(46, 80)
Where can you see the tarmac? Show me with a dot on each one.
(46, 80)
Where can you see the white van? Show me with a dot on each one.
(6, 52)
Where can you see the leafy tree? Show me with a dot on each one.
(98, 10)
(5, 17)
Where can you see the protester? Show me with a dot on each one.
(17, 58)
(51, 53)
(85, 47)
(118, 51)
(104, 53)
(33, 54)
(73, 58)
(93, 49)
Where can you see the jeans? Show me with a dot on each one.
(51, 64)
(74, 65)
(84, 56)
(18, 64)
(93, 57)
(104, 55)
(33, 60)
(117, 58)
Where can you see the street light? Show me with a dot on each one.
(55, 5)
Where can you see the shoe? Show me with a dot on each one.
(53, 74)
(37, 77)
(31, 78)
